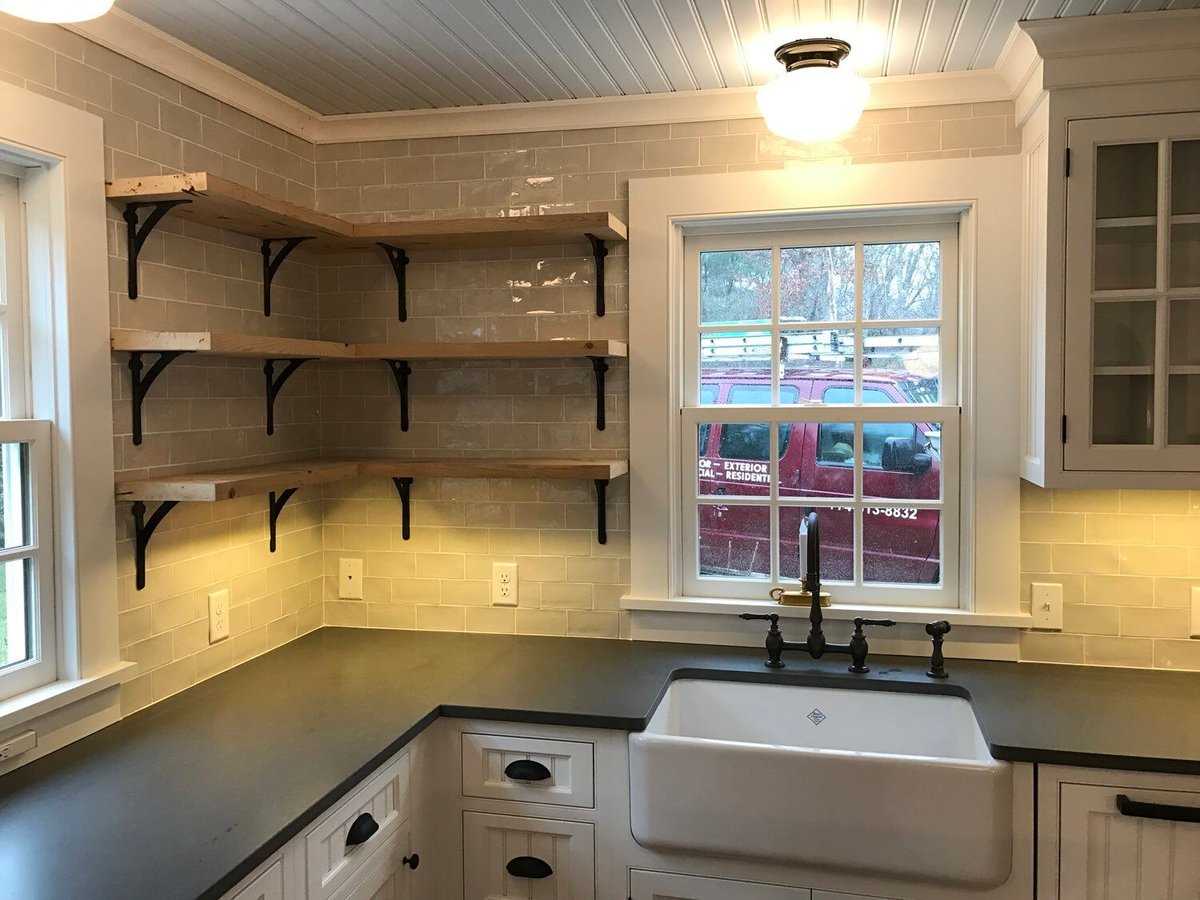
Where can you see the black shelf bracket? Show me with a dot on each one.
(601, 510)
(404, 489)
(399, 260)
(271, 263)
(400, 371)
(599, 366)
(137, 231)
(277, 503)
(274, 385)
(142, 382)
(599, 251)
(143, 530)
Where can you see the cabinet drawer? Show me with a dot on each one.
(384, 876)
(664, 886)
(329, 861)
(528, 770)
(518, 858)
(267, 886)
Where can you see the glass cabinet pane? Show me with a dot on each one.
(1123, 333)
(1126, 257)
(1126, 180)
(1122, 409)
(1185, 333)
(1185, 214)
(1183, 409)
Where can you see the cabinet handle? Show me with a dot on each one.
(1165, 811)
(411, 861)
(528, 867)
(527, 770)
(361, 830)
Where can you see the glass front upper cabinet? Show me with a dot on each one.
(1132, 386)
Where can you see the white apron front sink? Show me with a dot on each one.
(879, 782)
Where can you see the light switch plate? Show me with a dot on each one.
(350, 578)
(1046, 603)
(1195, 629)
(218, 615)
(504, 584)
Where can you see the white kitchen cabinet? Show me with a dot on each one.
(524, 858)
(1118, 835)
(1111, 301)
(266, 885)
(389, 872)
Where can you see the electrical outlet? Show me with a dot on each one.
(350, 578)
(1046, 604)
(18, 744)
(1195, 630)
(504, 584)
(218, 615)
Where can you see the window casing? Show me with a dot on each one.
(28, 655)
(820, 370)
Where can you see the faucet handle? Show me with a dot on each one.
(937, 629)
(773, 618)
(859, 622)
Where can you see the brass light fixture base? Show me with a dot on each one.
(825, 53)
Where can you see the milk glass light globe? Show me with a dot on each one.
(56, 10)
(813, 100)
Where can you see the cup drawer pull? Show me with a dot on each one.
(527, 770)
(528, 867)
(361, 830)
(1164, 811)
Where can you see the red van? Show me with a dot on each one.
(900, 460)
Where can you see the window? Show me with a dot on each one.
(825, 361)
(27, 609)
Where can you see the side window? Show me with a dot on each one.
(835, 444)
(875, 435)
(846, 395)
(760, 394)
(749, 440)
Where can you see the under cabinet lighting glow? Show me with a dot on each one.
(815, 99)
(56, 10)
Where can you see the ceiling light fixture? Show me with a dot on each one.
(814, 99)
(56, 10)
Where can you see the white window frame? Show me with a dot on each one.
(811, 233)
(59, 152)
(983, 195)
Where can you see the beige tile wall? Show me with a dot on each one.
(199, 411)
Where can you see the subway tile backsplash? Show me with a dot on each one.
(1127, 560)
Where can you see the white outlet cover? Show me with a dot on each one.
(505, 584)
(350, 579)
(1046, 604)
(218, 615)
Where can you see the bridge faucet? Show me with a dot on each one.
(816, 644)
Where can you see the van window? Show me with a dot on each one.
(760, 394)
(748, 440)
(708, 396)
(846, 395)
(876, 433)
(835, 444)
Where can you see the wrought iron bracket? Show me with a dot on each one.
(274, 385)
(399, 260)
(404, 489)
(277, 503)
(599, 251)
(400, 371)
(136, 232)
(143, 530)
(599, 366)
(271, 263)
(142, 382)
(601, 510)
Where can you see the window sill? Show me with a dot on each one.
(907, 614)
(30, 705)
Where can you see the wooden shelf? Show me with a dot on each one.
(225, 204)
(492, 350)
(225, 343)
(282, 480)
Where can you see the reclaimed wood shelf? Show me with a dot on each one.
(281, 481)
(212, 200)
(294, 352)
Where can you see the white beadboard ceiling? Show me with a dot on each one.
(363, 56)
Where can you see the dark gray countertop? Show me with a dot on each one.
(186, 797)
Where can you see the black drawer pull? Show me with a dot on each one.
(526, 770)
(361, 830)
(528, 867)
(1164, 811)
(411, 861)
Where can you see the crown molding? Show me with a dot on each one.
(155, 49)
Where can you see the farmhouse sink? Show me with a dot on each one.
(880, 782)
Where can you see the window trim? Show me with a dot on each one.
(984, 193)
(815, 232)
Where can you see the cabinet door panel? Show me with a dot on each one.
(565, 851)
(1104, 855)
